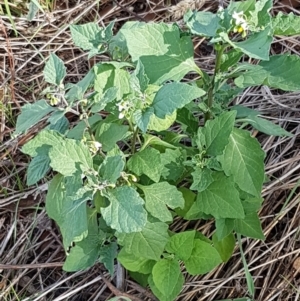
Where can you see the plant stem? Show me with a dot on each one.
(210, 92)
(133, 142)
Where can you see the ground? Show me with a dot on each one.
(31, 254)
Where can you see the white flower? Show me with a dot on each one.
(124, 107)
(241, 24)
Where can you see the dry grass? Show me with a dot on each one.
(31, 254)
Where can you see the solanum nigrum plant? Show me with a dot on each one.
(151, 145)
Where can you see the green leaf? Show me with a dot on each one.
(111, 168)
(172, 160)
(55, 70)
(224, 246)
(141, 76)
(213, 137)
(266, 126)
(148, 243)
(188, 121)
(220, 199)
(158, 124)
(224, 226)
(202, 178)
(85, 252)
(146, 162)
(66, 212)
(141, 279)
(158, 293)
(286, 25)
(135, 263)
(142, 119)
(77, 132)
(252, 204)
(204, 258)
(66, 155)
(229, 59)
(279, 72)
(244, 160)
(61, 126)
(102, 100)
(242, 111)
(107, 255)
(85, 36)
(283, 72)
(174, 96)
(189, 198)
(37, 169)
(164, 54)
(125, 212)
(250, 46)
(249, 226)
(108, 134)
(167, 277)
(181, 244)
(202, 23)
(160, 195)
(77, 91)
(31, 114)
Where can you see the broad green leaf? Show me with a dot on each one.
(85, 252)
(204, 258)
(141, 279)
(188, 120)
(230, 59)
(279, 72)
(181, 244)
(202, 23)
(249, 46)
(172, 161)
(174, 96)
(244, 6)
(61, 126)
(244, 160)
(220, 199)
(148, 243)
(55, 70)
(251, 205)
(107, 255)
(224, 226)
(77, 91)
(213, 137)
(146, 162)
(158, 293)
(266, 126)
(66, 155)
(77, 132)
(86, 36)
(161, 124)
(122, 299)
(111, 168)
(286, 25)
(142, 119)
(31, 114)
(283, 72)
(189, 198)
(108, 134)
(37, 169)
(160, 195)
(164, 54)
(242, 111)
(125, 212)
(224, 246)
(111, 75)
(102, 100)
(65, 212)
(141, 76)
(33, 8)
(249, 226)
(202, 178)
(167, 277)
(135, 263)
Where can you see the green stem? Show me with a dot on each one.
(133, 141)
(210, 92)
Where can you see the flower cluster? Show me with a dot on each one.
(124, 107)
(241, 24)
